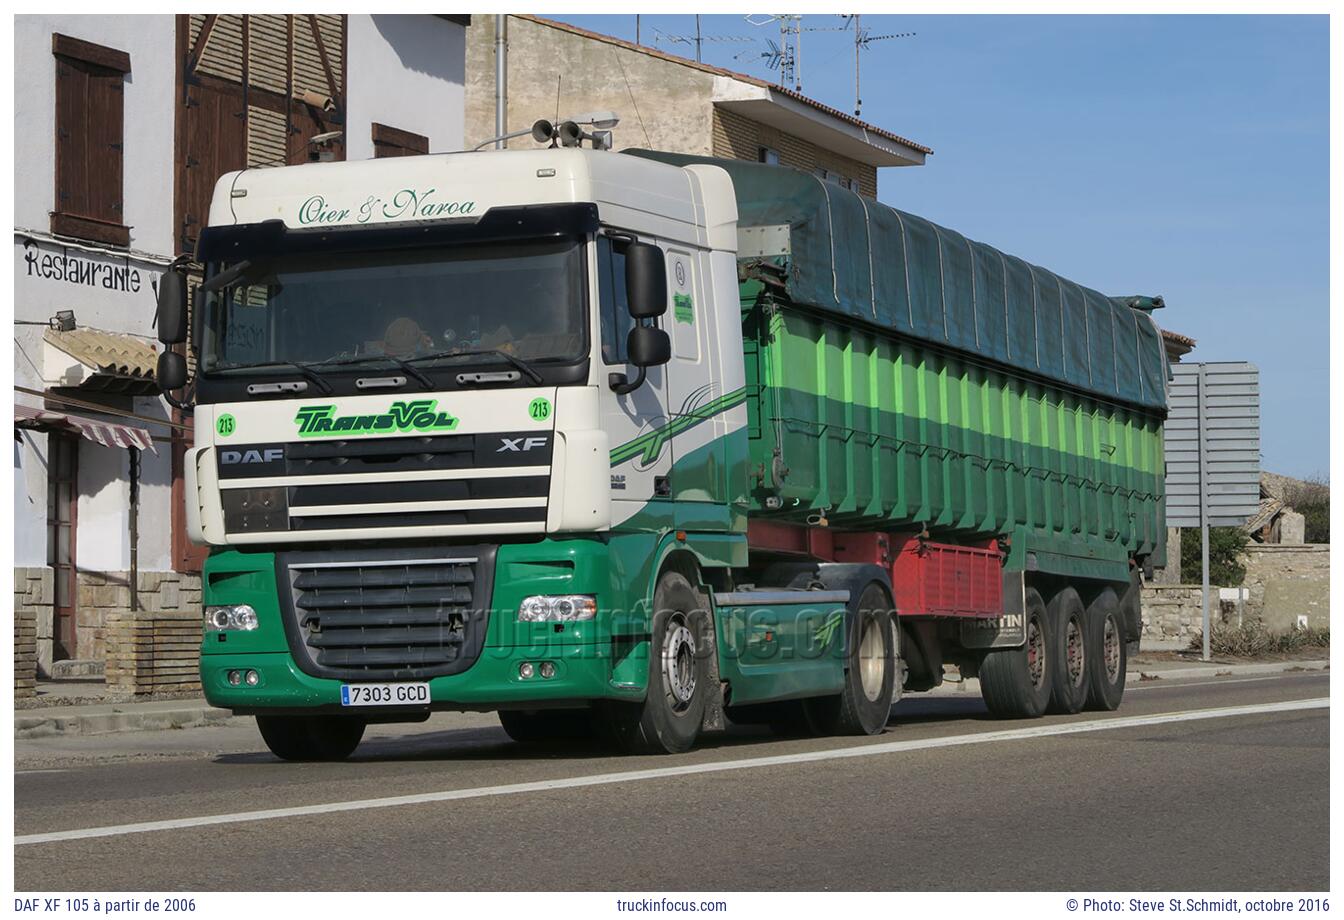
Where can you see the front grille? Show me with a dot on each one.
(388, 613)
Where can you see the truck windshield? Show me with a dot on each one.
(524, 299)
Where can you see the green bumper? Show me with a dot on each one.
(590, 662)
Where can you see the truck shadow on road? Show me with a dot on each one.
(484, 744)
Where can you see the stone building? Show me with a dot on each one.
(122, 125)
(558, 71)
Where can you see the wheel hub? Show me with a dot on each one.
(1074, 654)
(679, 662)
(1110, 650)
(1035, 653)
(872, 658)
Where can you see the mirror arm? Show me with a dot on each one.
(620, 384)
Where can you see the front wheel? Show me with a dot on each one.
(680, 643)
(308, 738)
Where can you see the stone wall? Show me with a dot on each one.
(154, 651)
(1282, 583)
(1287, 581)
(32, 613)
(99, 595)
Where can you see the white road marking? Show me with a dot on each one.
(25, 772)
(603, 779)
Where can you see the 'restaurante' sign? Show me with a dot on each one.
(404, 204)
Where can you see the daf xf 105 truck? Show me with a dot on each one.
(647, 442)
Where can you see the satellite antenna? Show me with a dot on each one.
(862, 40)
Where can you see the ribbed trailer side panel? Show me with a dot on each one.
(868, 431)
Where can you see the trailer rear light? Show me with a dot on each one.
(557, 608)
(231, 617)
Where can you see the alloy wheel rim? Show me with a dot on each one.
(679, 662)
(872, 659)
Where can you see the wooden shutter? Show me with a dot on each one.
(90, 113)
(394, 142)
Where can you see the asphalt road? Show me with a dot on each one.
(946, 799)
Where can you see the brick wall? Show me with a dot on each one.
(738, 137)
(32, 626)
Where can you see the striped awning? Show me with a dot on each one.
(108, 434)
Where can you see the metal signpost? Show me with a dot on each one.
(1212, 439)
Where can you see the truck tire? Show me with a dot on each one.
(1107, 653)
(864, 705)
(1015, 682)
(680, 643)
(538, 725)
(1068, 692)
(309, 738)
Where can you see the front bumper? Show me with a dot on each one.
(589, 663)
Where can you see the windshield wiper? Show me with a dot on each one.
(399, 362)
(521, 365)
(306, 370)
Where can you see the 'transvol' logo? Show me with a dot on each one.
(416, 415)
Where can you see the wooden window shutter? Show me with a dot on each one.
(90, 112)
(394, 142)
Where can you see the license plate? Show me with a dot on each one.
(384, 694)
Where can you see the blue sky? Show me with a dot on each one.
(1186, 156)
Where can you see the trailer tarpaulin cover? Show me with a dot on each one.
(855, 256)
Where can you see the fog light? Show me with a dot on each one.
(252, 678)
(525, 670)
(235, 678)
(548, 669)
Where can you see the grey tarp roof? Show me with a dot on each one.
(855, 256)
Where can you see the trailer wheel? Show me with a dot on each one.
(1107, 653)
(532, 726)
(864, 705)
(1015, 682)
(680, 643)
(310, 738)
(1070, 685)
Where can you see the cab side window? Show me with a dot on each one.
(616, 321)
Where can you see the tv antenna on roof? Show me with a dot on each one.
(697, 40)
(787, 55)
(862, 40)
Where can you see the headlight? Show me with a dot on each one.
(559, 608)
(234, 616)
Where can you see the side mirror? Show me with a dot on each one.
(648, 347)
(172, 314)
(172, 371)
(645, 280)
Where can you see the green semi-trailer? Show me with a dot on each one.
(456, 452)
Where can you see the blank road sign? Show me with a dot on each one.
(1217, 448)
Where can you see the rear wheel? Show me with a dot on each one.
(1069, 690)
(864, 705)
(1015, 682)
(669, 719)
(532, 726)
(311, 737)
(1108, 653)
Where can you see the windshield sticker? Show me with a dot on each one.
(681, 308)
(406, 204)
(417, 415)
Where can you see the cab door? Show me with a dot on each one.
(637, 422)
